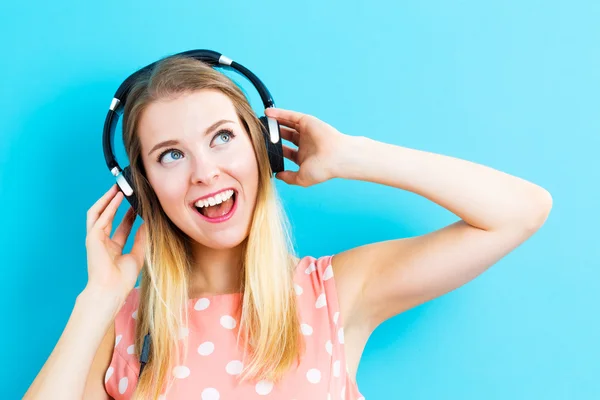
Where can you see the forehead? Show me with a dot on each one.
(186, 115)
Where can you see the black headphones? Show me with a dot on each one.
(271, 133)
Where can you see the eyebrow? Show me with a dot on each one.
(173, 142)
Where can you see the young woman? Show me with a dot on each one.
(233, 312)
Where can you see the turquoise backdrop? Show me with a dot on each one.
(513, 85)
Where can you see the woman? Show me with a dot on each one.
(233, 312)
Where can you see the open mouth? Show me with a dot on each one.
(219, 211)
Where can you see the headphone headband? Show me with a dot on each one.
(213, 59)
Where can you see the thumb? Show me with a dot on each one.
(289, 177)
(132, 263)
(138, 248)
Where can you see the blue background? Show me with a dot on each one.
(513, 85)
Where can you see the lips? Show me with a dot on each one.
(221, 218)
(193, 203)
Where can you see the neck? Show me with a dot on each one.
(216, 271)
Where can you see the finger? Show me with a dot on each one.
(124, 228)
(291, 154)
(289, 177)
(108, 228)
(104, 223)
(288, 117)
(99, 206)
(289, 134)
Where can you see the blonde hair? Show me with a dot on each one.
(269, 329)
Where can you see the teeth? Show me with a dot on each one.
(218, 199)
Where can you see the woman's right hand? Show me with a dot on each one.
(109, 270)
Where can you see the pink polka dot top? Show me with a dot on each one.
(214, 360)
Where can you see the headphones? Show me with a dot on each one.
(125, 184)
(124, 179)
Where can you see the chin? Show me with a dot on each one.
(224, 242)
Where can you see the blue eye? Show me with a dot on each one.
(164, 153)
(225, 133)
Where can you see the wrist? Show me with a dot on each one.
(101, 299)
(351, 155)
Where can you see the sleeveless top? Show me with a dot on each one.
(214, 359)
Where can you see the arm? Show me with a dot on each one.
(498, 212)
(481, 196)
(380, 280)
(64, 374)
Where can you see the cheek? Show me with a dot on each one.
(246, 172)
(245, 165)
(167, 190)
(250, 166)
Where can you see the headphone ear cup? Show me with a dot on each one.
(274, 150)
(132, 199)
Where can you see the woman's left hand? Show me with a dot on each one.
(321, 147)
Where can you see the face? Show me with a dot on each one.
(208, 157)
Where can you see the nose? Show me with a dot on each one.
(205, 170)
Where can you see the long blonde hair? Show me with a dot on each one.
(269, 330)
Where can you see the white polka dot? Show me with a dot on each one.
(119, 337)
(162, 397)
(361, 398)
(328, 273)
(328, 396)
(264, 387)
(109, 373)
(313, 375)
(336, 369)
(206, 348)
(134, 315)
(210, 394)
(131, 349)
(321, 301)
(329, 347)
(341, 335)
(123, 385)
(343, 394)
(298, 289)
(336, 316)
(227, 321)
(306, 329)
(183, 332)
(311, 268)
(234, 367)
(181, 372)
(202, 304)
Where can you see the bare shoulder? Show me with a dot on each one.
(356, 324)
(350, 288)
